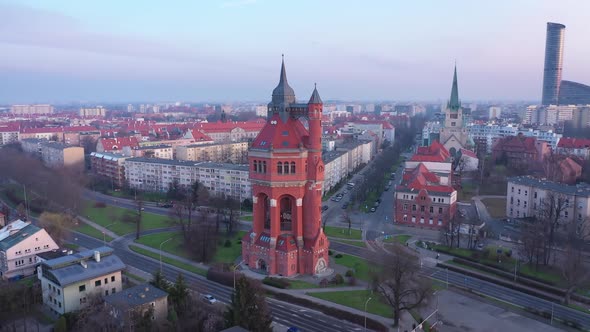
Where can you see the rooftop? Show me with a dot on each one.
(188, 163)
(582, 189)
(15, 232)
(136, 296)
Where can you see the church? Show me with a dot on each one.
(287, 172)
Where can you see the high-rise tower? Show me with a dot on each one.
(287, 172)
(553, 63)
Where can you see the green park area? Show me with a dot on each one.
(357, 299)
(356, 243)
(91, 231)
(358, 265)
(495, 206)
(113, 218)
(401, 239)
(343, 233)
(168, 260)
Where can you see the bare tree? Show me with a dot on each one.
(574, 269)
(135, 216)
(57, 225)
(532, 242)
(399, 283)
(449, 234)
(553, 207)
(347, 219)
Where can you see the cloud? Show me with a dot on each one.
(237, 3)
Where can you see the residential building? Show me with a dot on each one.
(98, 111)
(54, 133)
(358, 152)
(287, 171)
(431, 132)
(520, 151)
(579, 147)
(233, 152)
(9, 133)
(59, 155)
(487, 134)
(494, 112)
(20, 242)
(117, 144)
(436, 159)
(109, 165)
(150, 151)
(528, 197)
(336, 169)
(31, 109)
(137, 301)
(67, 282)
(32, 146)
(230, 131)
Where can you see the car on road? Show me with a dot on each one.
(373, 209)
(208, 298)
(324, 208)
(345, 192)
(345, 205)
(480, 246)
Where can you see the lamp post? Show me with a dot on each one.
(161, 244)
(234, 268)
(369, 299)
(104, 235)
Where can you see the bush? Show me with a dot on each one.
(338, 256)
(227, 243)
(276, 282)
(508, 253)
(239, 241)
(349, 273)
(100, 205)
(60, 325)
(337, 279)
(475, 255)
(324, 283)
(330, 252)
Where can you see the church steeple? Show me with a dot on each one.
(315, 96)
(454, 103)
(283, 93)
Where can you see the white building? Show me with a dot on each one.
(98, 111)
(494, 112)
(335, 168)
(20, 242)
(491, 132)
(261, 110)
(8, 134)
(67, 282)
(525, 197)
(31, 109)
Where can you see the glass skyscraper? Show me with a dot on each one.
(553, 63)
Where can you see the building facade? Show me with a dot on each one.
(553, 63)
(110, 166)
(579, 147)
(287, 171)
(59, 155)
(31, 109)
(520, 151)
(236, 152)
(67, 282)
(93, 112)
(20, 242)
(125, 306)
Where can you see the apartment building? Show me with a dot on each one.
(221, 179)
(93, 112)
(31, 109)
(150, 151)
(67, 282)
(520, 150)
(137, 301)
(20, 242)
(9, 133)
(526, 197)
(230, 131)
(58, 155)
(335, 169)
(579, 147)
(116, 144)
(358, 152)
(109, 165)
(236, 152)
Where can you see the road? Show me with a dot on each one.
(282, 312)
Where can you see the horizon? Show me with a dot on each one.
(109, 52)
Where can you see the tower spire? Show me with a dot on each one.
(315, 96)
(454, 103)
(283, 93)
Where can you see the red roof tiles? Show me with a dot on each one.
(435, 152)
(110, 144)
(573, 143)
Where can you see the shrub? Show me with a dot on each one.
(330, 252)
(239, 241)
(100, 205)
(338, 256)
(337, 279)
(324, 283)
(276, 282)
(349, 273)
(475, 255)
(508, 253)
(227, 243)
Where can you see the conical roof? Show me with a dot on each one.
(454, 103)
(283, 92)
(315, 96)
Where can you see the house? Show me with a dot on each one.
(67, 282)
(520, 151)
(436, 158)
(129, 303)
(116, 144)
(579, 147)
(20, 242)
(563, 169)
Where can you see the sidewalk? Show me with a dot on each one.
(98, 227)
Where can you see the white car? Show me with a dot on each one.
(207, 298)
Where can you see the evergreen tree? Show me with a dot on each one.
(248, 307)
(159, 281)
(179, 294)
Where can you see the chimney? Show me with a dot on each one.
(97, 256)
(84, 264)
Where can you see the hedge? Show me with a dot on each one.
(276, 282)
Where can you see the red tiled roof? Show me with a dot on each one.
(420, 178)
(435, 152)
(518, 143)
(118, 143)
(468, 153)
(280, 135)
(573, 143)
(199, 136)
(220, 127)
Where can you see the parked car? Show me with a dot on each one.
(324, 208)
(373, 209)
(208, 298)
(480, 246)
(378, 201)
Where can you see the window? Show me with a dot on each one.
(535, 194)
(413, 207)
(112, 278)
(59, 292)
(106, 281)
(405, 207)
(280, 167)
(255, 166)
(519, 191)
(431, 210)
(82, 288)
(97, 283)
(440, 210)
(421, 208)
(264, 167)
(413, 219)
(106, 292)
(293, 167)
(405, 217)
(526, 192)
(453, 124)
(512, 189)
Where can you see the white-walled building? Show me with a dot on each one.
(67, 282)
(494, 112)
(98, 111)
(20, 242)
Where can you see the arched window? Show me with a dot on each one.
(292, 167)
(264, 167)
(286, 167)
(255, 165)
(280, 168)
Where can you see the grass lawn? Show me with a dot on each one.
(169, 260)
(146, 196)
(544, 273)
(136, 277)
(108, 215)
(71, 246)
(357, 299)
(496, 206)
(246, 218)
(402, 239)
(229, 254)
(300, 284)
(467, 191)
(360, 266)
(352, 243)
(174, 246)
(91, 231)
(342, 233)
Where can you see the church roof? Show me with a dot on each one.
(283, 93)
(454, 103)
(435, 152)
(279, 134)
(315, 97)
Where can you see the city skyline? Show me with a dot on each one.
(229, 50)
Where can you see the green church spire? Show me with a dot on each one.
(454, 103)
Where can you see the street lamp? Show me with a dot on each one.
(369, 299)
(104, 235)
(234, 268)
(161, 252)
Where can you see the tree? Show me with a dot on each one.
(347, 219)
(550, 213)
(233, 207)
(88, 143)
(248, 307)
(159, 281)
(399, 283)
(135, 216)
(179, 294)
(574, 269)
(450, 232)
(175, 191)
(532, 241)
(57, 225)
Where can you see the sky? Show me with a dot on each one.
(62, 51)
